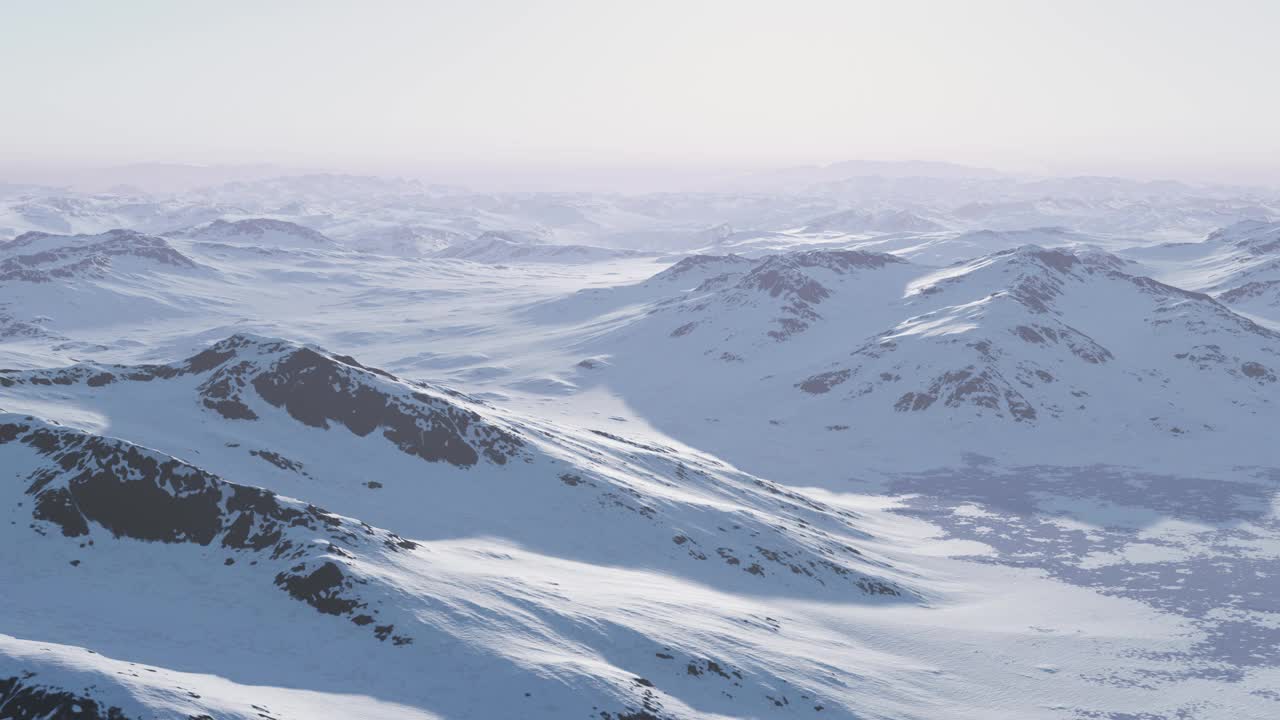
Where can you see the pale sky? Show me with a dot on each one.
(1176, 88)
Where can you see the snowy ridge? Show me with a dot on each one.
(259, 232)
(273, 387)
(94, 498)
(790, 287)
(493, 247)
(41, 258)
(1028, 336)
(858, 221)
(930, 443)
(80, 483)
(1239, 265)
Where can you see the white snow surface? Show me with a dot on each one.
(887, 447)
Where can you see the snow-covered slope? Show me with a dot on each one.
(689, 272)
(331, 425)
(495, 247)
(1023, 334)
(859, 221)
(51, 285)
(259, 232)
(950, 248)
(882, 348)
(446, 558)
(41, 258)
(378, 452)
(896, 472)
(405, 240)
(1239, 265)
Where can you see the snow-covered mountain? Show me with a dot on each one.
(69, 213)
(404, 240)
(54, 285)
(41, 258)
(1239, 265)
(271, 395)
(949, 248)
(425, 463)
(496, 247)
(878, 346)
(259, 232)
(1079, 313)
(930, 443)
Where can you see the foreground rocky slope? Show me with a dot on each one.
(432, 464)
(858, 470)
(325, 427)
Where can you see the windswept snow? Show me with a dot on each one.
(865, 441)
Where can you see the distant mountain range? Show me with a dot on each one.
(932, 442)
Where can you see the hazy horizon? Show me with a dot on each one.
(170, 177)
(561, 95)
(591, 359)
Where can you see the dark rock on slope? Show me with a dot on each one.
(318, 389)
(87, 481)
(23, 699)
(55, 257)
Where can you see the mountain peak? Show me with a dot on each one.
(43, 257)
(1259, 237)
(261, 232)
